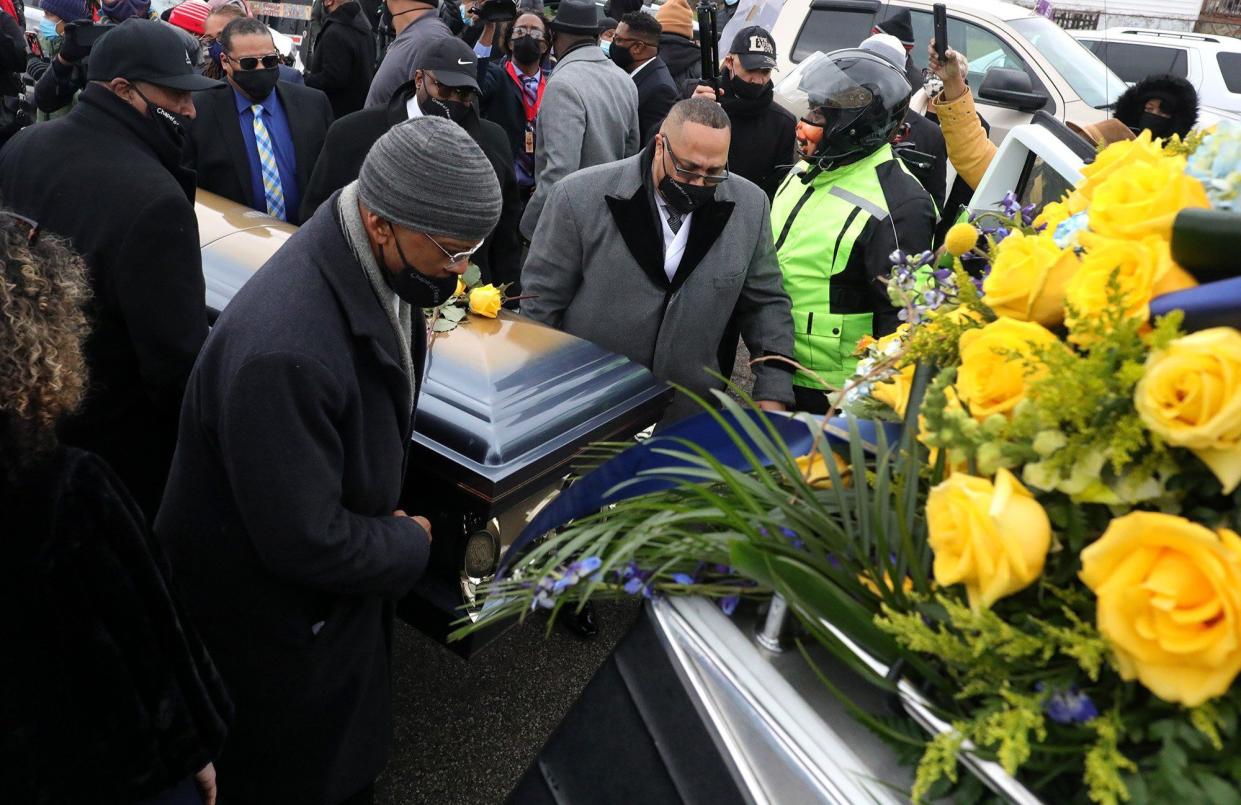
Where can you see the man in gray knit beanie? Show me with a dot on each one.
(282, 511)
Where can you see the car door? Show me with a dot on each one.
(984, 49)
(1133, 61)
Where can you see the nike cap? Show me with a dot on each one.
(452, 62)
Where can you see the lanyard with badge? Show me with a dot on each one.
(532, 109)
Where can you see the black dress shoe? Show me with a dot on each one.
(583, 624)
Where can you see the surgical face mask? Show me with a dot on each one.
(415, 287)
(730, 2)
(47, 29)
(606, 46)
(466, 17)
(257, 84)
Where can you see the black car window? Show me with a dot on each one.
(832, 25)
(1230, 69)
(1133, 62)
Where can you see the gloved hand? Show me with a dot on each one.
(70, 51)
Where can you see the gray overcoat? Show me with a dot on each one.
(596, 270)
(589, 116)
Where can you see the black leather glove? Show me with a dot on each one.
(70, 51)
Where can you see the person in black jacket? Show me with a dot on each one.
(635, 49)
(344, 57)
(13, 115)
(447, 76)
(763, 132)
(121, 146)
(282, 518)
(225, 146)
(676, 44)
(511, 89)
(106, 691)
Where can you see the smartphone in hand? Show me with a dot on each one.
(32, 44)
(941, 30)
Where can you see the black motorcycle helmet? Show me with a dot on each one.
(856, 97)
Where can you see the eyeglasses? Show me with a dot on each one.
(454, 257)
(627, 42)
(686, 175)
(252, 62)
(445, 92)
(32, 226)
(534, 33)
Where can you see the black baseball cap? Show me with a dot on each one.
(452, 61)
(145, 50)
(755, 48)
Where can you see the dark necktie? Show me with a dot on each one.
(674, 220)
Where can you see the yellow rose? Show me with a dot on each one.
(961, 238)
(1118, 155)
(1140, 266)
(1143, 199)
(460, 287)
(1027, 279)
(814, 470)
(993, 377)
(485, 300)
(993, 538)
(1190, 395)
(1169, 603)
(894, 392)
(1053, 214)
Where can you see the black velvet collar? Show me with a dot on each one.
(638, 220)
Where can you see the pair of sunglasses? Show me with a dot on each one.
(31, 225)
(253, 62)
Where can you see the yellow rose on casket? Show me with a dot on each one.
(1143, 199)
(485, 300)
(993, 376)
(1169, 603)
(993, 538)
(1141, 150)
(1141, 267)
(460, 287)
(1028, 277)
(1190, 395)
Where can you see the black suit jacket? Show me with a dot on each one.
(657, 93)
(217, 151)
(351, 137)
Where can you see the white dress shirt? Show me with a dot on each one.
(674, 242)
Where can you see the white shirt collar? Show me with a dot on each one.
(411, 107)
(638, 69)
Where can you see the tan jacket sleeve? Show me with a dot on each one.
(969, 150)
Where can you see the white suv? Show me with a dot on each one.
(1211, 63)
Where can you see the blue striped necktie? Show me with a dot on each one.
(272, 190)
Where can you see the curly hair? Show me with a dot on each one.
(43, 325)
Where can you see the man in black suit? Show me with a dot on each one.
(445, 84)
(256, 139)
(635, 49)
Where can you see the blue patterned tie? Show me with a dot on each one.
(267, 161)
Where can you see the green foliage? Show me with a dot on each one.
(939, 760)
(1105, 762)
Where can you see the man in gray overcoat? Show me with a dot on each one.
(589, 114)
(649, 257)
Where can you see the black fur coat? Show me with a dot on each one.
(106, 693)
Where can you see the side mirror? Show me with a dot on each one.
(1007, 87)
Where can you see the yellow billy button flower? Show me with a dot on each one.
(1169, 603)
(991, 537)
(1028, 278)
(1190, 395)
(961, 238)
(994, 375)
(485, 300)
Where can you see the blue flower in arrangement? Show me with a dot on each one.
(683, 578)
(794, 540)
(1217, 164)
(728, 604)
(1069, 228)
(554, 583)
(1009, 205)
(1069, 706)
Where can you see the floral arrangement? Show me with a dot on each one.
(471, 296)
(1050, 550)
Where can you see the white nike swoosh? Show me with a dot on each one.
(467, 62)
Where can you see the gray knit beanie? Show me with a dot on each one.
(428, 175)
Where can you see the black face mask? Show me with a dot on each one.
(744, 90)
(621, 57)
(257, 84)
(416, 288)
(527, 51)
(169, 124)
(684, 198)
(456, 111)
(1159, 125)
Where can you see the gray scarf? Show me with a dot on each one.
(397, 310)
